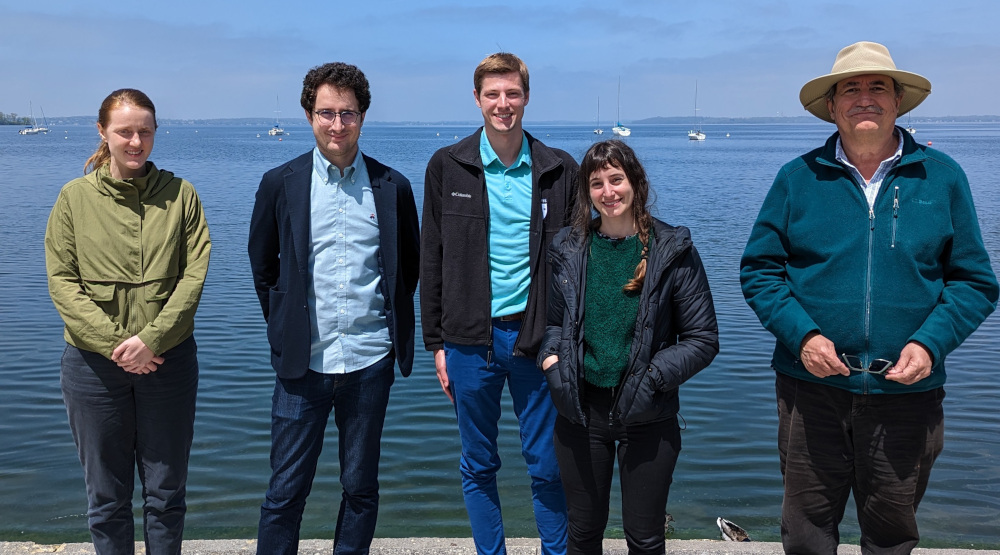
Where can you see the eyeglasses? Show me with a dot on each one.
(878, 366)
(347, 117)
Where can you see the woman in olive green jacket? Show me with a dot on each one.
(126, 252)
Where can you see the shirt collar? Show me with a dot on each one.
(489, 156)
(842, 156)
(331, 173)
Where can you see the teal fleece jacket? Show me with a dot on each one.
(913, 268)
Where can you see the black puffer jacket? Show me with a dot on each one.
(676, 334)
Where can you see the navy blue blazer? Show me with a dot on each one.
(279, 259)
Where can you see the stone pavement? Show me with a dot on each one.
(451, 546)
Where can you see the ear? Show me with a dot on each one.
(829, 107)
(309, 115)
(527, 96)
(100, 131)
(361, 120)
(475, 95)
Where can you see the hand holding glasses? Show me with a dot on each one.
(878, 366)
(347, 117)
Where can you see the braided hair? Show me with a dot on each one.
(615, 153)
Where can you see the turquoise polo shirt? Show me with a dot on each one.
(509, 193)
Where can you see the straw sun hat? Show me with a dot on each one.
(863, 58)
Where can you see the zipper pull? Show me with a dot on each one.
(871, 217)
(895, 203)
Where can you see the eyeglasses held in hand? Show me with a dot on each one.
(347, 117)
(878, 366)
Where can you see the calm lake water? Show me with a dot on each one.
(729, 465)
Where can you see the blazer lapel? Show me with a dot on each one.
(297, 186)
(384, 192)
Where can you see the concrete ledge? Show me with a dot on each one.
(450, 546)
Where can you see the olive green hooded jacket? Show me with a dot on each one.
(127, 257)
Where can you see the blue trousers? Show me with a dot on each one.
(832, 442)
(477, 376)
(299, 413)
(120, 419)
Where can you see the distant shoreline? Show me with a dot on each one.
(659, 120)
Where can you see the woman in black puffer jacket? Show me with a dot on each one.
(630, 319)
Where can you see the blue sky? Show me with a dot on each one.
(205, 58)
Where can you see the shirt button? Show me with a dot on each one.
(341, 285)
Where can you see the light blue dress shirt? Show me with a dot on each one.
(871, 187)
(346, 306)
(509, 193)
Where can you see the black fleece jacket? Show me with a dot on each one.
(455, 292)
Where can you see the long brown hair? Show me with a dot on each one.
(614, 153)
(121, 97)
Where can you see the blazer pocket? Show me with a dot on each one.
(276, 320)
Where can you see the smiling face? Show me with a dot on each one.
(337, 142)
(129, 134)
(865, 106)
(502, 99)
(612, 196)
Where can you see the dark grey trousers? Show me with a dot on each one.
(832, 442)
(120, 420)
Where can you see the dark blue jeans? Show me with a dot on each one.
(119, 419)
(299, 413)
(477, 376)
(832, 442)
(646, 455)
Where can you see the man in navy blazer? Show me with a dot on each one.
(334, 250)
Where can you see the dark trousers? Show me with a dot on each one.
(647, 455)
(299, 413)
(832, 442)
(119, 419)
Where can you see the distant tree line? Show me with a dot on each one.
(14, 119)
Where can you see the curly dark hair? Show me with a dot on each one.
(339, 75)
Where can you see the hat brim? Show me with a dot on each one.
(813, 94)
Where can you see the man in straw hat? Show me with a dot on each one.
(867, 264)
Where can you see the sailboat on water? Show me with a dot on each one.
(276, 130)
(620, 129)
(598, 130)
(33, 129)
(696, 134)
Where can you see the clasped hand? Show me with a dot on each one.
(135, 357)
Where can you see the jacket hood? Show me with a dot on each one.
(668, 241)
(148, 185)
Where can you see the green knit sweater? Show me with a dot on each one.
(609, 312)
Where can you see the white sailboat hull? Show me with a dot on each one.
(621, 131)
(696, 136)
